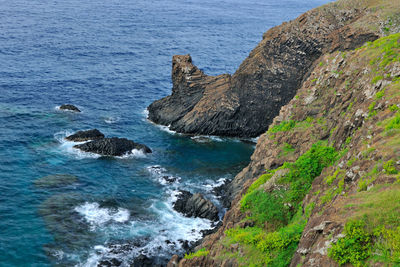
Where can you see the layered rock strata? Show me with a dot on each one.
(245, 103)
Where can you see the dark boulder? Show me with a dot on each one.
(112, 146)
(143, 261)
(69, 107)
(195, 205)
(80, 136)
(109, 263)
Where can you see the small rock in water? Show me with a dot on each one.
(112, 146)
(55, 180)
(142, 261)
(69, 107)
(81, 136)
(169, 179)
(195, 205)
(109, 263)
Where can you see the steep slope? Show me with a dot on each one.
(245, 104)
(322, 188)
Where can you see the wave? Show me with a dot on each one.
(68, 146)
(97, 216)
(162, 176)
(111, 120)
(134, 153)
(168, 233)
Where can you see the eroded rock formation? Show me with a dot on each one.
(245, 103)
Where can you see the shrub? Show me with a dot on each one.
(200, 253)
(266, 207)
(394, 123)
(284, 126)
(389, 167)
(354, 247)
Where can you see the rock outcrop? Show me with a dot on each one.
(113, 146)
(195, 205)
(69, 107)
(87, 135)
(245, 103)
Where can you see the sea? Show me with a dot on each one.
(112, 58)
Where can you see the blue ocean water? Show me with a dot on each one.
(111, 59)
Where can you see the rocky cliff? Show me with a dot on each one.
(322, 186)
(245, 103)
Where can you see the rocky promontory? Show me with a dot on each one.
(245, 103)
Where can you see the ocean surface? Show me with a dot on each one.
(112, 59)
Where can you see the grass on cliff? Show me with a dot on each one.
(372, 233)
(200, 253)
(277, 216)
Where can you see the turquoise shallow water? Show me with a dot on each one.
(111, 59)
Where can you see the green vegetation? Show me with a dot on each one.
(384, 51)
(268, 248)
(277, 216)
(371, 108)
(393, 108)
(380, 94)
(284, 126)
(200, 253)
(288, 125)
(389, 167)
(372, 233)
(376, 79)
(329, 179)
(394, 123)
(286, 150)
(354, 247)
(368, 179)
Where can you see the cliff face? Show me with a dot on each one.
(245, 104)
(322, 187)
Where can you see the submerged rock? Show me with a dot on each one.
(195, 205)
(80, 136)
(112, 146)
(55, 180)
(69, 107)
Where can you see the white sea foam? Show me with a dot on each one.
(162, 176)
(68, 146)
(207, 138)
(166, 233)
(134, 153)
(111, 120)
(97, 216)
(146, 113)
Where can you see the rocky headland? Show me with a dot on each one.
(245, 103)
(322, 185)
